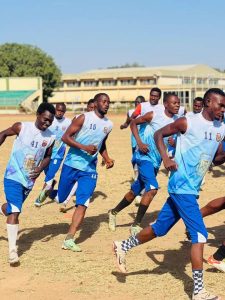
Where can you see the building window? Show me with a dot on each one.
(128, 82)
(90, 83)
(73, 83)
(109, 82)
(187, 80)
(201, 80)
(148, 81)
(213, 81)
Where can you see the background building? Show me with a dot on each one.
(23, 93)
(124, 84)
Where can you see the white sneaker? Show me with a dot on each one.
(137, 200)
(135, 229)
(219, 265)
(120, 256)
(205, 295)
(112, 221)
(13, 257)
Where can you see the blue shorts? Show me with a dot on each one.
(86, 183)
(146, 177)
(187, 208)
(52, 169)
(15, 194)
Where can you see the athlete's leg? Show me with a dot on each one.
(50, 172)
(15, 196)
(86, 184)
(167, 218)
(213, 207)
(147, 176)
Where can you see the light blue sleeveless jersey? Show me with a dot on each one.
(58, 128)
(28, 151)
(195, 151)
(158, 121)
(93, 132)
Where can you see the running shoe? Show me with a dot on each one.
(112, 221)
(219, 265)
(120, 256)
(71, 245)
(205, 295)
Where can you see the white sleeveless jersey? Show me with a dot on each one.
(93, 132)
(195, 150)
(28, 151)
(58, 128)
(159, 120)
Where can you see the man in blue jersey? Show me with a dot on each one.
(86, 136)
(30, 154)
(58, 128)
(148, 160)
(198, 144)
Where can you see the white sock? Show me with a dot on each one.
(12, 230)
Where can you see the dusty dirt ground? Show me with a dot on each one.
(157, 270)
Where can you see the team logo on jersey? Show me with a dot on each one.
(44, 143)
(218, 137)
(105, 130)
(63, 128)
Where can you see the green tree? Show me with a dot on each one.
(133, 65)
(18, 60)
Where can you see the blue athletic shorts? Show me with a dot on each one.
(185, 207)
(15, 194)
(146, 177)
(52, 169)
(86, 183)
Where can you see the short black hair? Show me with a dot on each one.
(45, 106)
(167, 95)
(61, 104)
(200, 99)
(97, 96)
(91, 101)
(212, 91)
(155, 89)
(142, 98)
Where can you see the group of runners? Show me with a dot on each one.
(186, 143)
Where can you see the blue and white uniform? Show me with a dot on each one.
(58, 128)
(149, 163)
(28, 151)
(195, 151)
(79, 166)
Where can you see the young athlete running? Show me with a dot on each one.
(148, 161)
(198, 139)
(31, 154)
(86, 136)
(58, 128)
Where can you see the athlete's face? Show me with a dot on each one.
(90, 107)
(197, 106)
(60, 111)
(44, 120)
(102, 104)
(172, 104)
(154, 97)
(216, 106)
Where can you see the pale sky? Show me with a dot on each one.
(91, 34)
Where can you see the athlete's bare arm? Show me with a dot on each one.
(133, 126)
(126, 123)
(44, 163)
(13, 130)
(219, 158)
(75, 127)
(179, 126)
(108, 162)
